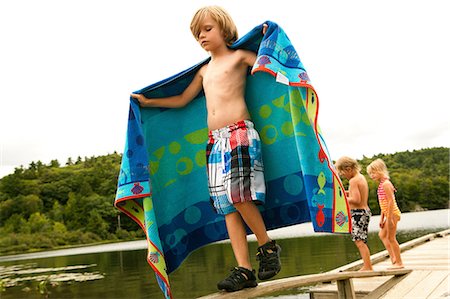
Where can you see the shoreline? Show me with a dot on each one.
(412, 220)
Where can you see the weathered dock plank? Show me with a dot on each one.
(298, 281)
(442, 290)
(428, 257)
(400, 290)
(427, 262)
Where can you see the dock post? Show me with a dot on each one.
(345, 289)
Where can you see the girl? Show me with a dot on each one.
(390, 213)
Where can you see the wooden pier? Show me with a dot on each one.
(426, 275)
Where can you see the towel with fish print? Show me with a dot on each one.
(162, 183)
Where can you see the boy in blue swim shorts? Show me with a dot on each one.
(236, 185)
(234, 162)
(235, 166)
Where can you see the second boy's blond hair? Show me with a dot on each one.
(378, 166)
(347, 162)
(222, 18)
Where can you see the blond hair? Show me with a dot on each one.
(378, 166)
(222, 18)
(347, 162)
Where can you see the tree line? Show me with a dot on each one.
(45, 206)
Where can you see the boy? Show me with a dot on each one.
(357, 197)
(233, 153)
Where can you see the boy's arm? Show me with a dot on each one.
(176, 101)
(249, 57)
(354, 194)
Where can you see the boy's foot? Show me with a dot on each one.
(269, 260)
(239, 278)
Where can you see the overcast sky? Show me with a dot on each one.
(380, 68)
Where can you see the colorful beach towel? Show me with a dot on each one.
(163, 185)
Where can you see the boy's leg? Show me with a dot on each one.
(216, 152)
(365, 255)
(252, 217)
(360, 230)
(238, 238)
(268, 252)
(242, 276)
(244, 184)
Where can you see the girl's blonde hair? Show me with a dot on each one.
(378, 166)
(347, 162)
(222, 18)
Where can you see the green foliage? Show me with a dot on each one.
(421, 178)
(48, 206)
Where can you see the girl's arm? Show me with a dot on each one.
(382, 219)
(177, 101)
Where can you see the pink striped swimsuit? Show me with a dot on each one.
(382, 200)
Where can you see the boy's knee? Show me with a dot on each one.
(244, 205)
(359, 243)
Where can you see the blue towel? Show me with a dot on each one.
(163, 184)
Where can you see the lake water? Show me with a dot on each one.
(120, 270)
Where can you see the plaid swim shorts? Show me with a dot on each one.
(360, 224)
(235, 167)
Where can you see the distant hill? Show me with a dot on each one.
(421, 178)
(48, 206)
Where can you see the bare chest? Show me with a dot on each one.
(218, 74)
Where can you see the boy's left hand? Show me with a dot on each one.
(265, 26)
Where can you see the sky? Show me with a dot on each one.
(380, 68)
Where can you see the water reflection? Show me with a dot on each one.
(24, 276)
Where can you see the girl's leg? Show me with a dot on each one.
(252, 217)
(392, 232)
(384, 237)
(238, 238)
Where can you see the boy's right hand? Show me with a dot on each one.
(139, 97)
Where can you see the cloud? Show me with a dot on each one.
(437, 134)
